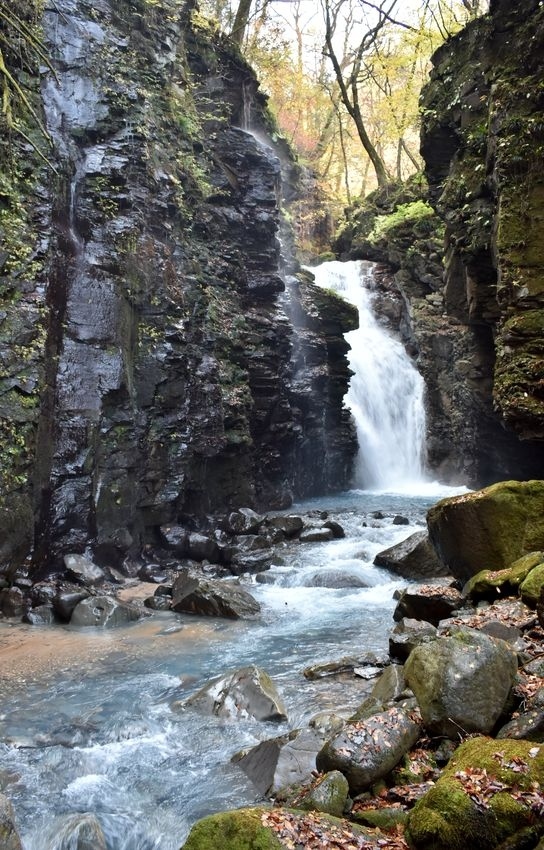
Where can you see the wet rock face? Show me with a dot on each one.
(482, 144)
(180, 378)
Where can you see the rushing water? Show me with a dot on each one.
(386, 393)
(102, 736)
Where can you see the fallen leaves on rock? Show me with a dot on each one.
(511, 612)
(527, 686)
(481, 788)
(314, 832)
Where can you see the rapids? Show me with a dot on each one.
(101, 737)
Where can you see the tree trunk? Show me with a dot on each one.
(241, 21)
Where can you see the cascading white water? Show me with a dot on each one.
(386, 393)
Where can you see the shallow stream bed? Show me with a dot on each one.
(86, 723)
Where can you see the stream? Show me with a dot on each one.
(102, 737)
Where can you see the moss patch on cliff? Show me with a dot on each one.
(483, 141)
(22, 259)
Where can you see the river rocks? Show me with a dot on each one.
(428, 602)
(175, 538)
(532, 587)
(81, 569)
(316, 535)
(368, 750)
(41, 615)
(334, 579)
(248, 692)
(328, 794)
(346, 664)
(408, 634)
(527, 725)
(11, 602)
(487, 584)
(79, 832)
(488, 529)
(414, 557)
(461, 682)
(289, 525)
(200, 547)
(259, 763)
(487, 795)
(282, 762)
(192, 593)
(276, 829)
(9, 837)
(104, 612)
(66, 598)
(243, 521)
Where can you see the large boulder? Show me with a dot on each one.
(488, 793)
(428, 602)
(280, 762)
(414, 557)
(248, 692)
(9, 837)
(105, 612)
(488, 529)
(192, 593)
(368, 750)
(461, 682)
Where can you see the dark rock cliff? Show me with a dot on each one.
(475, 324)
(168, 372)
(483, 144)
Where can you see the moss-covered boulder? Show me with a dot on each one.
(489, 792)
(488, 584)
(275, 829)
(490, 528)
(328, 794)
(532, 587)
(461, 682)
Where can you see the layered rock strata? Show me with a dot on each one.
(175, 375)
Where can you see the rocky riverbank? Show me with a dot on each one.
(446, 751)
(454, 711)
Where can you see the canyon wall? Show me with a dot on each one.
(165, 361)
(475, 322)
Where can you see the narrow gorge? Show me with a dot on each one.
(248, 597)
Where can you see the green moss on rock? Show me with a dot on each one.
(487, 584)
(489, 528)
(260, 829)
(532, 587)
(237, 830)
(479, 799)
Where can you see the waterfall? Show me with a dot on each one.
(386, 390)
